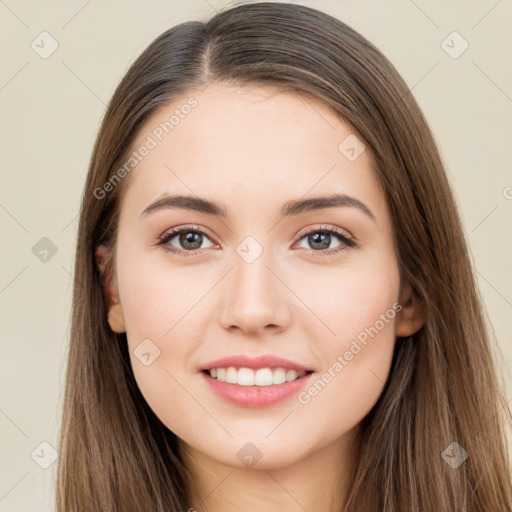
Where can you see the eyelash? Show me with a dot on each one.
(347, 241)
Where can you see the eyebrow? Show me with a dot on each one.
(293, 207)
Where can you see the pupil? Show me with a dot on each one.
(322, 238)
(189, 237)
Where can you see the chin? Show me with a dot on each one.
(265, 454)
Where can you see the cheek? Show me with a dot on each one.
(156, 294)
(161, 305)
(359, 305)
(345, 300)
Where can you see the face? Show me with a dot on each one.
(290, 288)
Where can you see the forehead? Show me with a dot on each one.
(250, 142)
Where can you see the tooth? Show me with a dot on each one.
(263, 377)
(246, 377)
(231, 375)
(291, 375)
(249, 377)
(279, 376)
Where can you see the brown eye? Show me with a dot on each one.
(185, 241)
(319, 240)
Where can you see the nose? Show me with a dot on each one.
(256, 300)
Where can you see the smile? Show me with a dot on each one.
(250, 377)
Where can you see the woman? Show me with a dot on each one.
(274, 306)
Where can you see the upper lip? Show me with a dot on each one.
(262, 361)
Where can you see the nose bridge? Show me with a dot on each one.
(254, 298)
(252, 280)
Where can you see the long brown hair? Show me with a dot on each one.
(443, 388)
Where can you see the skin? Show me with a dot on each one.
(252, 149)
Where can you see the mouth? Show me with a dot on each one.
(255, 381)
(265, 376)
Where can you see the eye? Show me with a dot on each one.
(190, 239)
(321, 238)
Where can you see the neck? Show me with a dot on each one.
(317, 482)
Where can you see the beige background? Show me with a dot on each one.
(51, 110)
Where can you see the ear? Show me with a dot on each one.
(411, 317)
(110, 293)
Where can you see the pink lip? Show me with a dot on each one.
(255, 396)
(263, 361)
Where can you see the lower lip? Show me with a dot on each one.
(255, 396)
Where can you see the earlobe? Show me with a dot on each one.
(116, 318)
(110, 294)
(411, 317)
